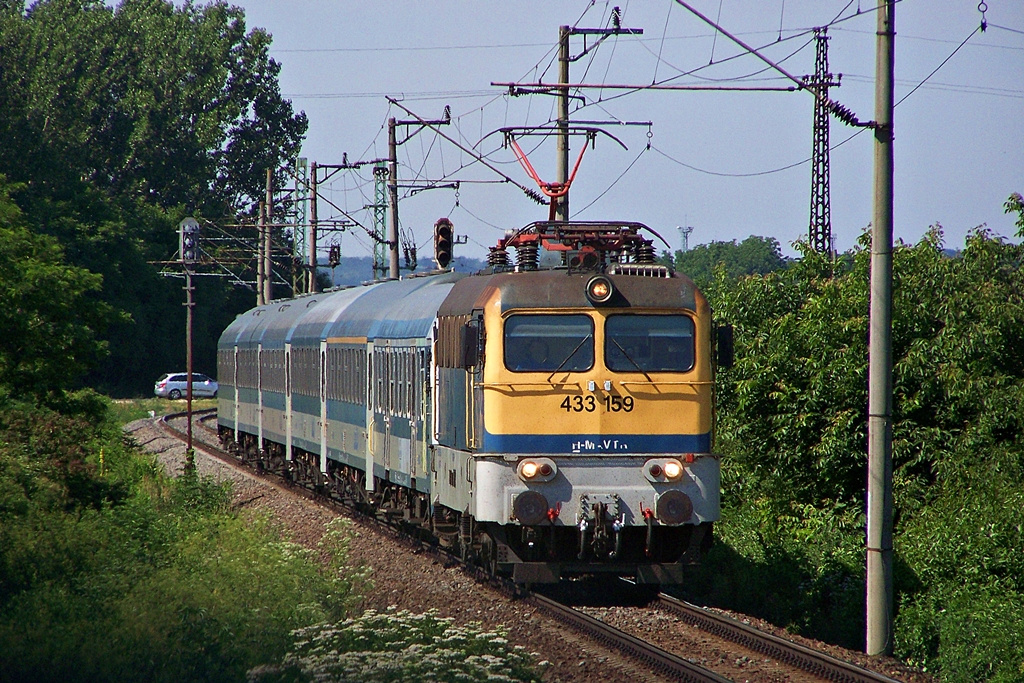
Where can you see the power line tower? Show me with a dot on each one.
(301, 217)
(820, 233)
(380, 219)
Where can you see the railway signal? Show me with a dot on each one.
(188, 240)
(443, 233)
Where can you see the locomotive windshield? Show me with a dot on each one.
(549, 343)
(648, 343)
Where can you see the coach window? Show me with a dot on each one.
(648, 343)
(549, 343)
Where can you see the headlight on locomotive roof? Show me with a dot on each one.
(535, 470)
(599, 290)
(662, 470)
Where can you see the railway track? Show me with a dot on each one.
(658, 660)
(817, 663)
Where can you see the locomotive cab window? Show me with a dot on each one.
(649, 343)
(549, 343)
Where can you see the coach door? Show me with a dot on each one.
(370, 438)
(259, 395)
(234, 382)
(290, 456)
(323, 406)
(472, 339)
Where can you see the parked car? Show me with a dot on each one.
(174, 385)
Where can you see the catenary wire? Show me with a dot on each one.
(614, 182)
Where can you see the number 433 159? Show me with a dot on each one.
(588, 404)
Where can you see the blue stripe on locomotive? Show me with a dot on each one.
(597, 443)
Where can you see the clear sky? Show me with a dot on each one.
(715, 156)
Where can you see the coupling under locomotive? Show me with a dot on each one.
(544, 421)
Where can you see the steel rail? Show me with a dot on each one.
(657, 659)
(785, 651)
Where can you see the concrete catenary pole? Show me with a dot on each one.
(880, 499)
(313, 197)
(261, 263)
(392, 201)
(268, 262)
(562, 167)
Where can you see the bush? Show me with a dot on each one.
(111, 571)
(792, 428)
(797, 566)
(398, 646)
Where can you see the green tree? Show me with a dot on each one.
(118, 122)
(754, 255)
(1015, 204)
(49, 311)
(177, 106)
(792, 419)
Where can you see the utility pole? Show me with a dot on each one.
(879, 637)
(188, 252)
(392, 200)
(820, 231)
(261, 264)
(311, 288)
(190, 304)
(562, 167)
(268, 261)
(564, 58)
(393, 144)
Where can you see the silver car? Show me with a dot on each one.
(175, 385)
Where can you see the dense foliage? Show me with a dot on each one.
(118, 122)
(111, 571)
(792, 419)
(48, 310)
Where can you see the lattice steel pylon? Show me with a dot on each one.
(301, 225)
(380, 219)
(820, 232)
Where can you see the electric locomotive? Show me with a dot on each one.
(547, 418)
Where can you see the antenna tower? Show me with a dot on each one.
(820, 233)
(684, 233)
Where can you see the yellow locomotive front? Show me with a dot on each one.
(591, 414)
